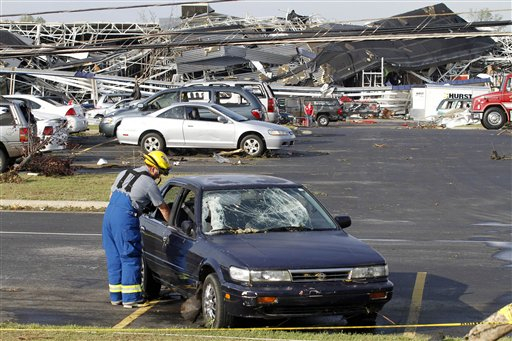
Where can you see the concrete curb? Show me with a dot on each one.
(56, 204)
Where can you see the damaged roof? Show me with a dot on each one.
(349, 58)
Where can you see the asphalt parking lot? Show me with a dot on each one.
(431, 201)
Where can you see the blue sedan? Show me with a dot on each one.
(259, 246)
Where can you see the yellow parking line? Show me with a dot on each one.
(99, 144)
(414, 310)
(135, 315)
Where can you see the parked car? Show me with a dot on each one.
(105, 102)
(452, 106)
(52, 127)
(236, 99)
(361, 109)
(326, 110)
(16, 129)
(72, 113)
(261, 89)
(202, 125)
(230, 237)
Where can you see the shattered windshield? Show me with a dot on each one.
(262, 210)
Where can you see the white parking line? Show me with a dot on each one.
(52, 233)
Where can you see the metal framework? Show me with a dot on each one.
(157, 62)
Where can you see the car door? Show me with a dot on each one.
(180, 249)
(155, 235)
(166, 246)
(206, 131)
(170, 124)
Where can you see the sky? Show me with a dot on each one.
(349, 11)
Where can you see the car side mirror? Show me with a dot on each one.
(188, 227)
(141, 106)
(343, 221)
(222, 119)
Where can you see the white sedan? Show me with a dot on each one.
(53, 128)
(202, 125)
(73, 113)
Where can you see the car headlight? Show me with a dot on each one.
(278, 132)
(245, 275)
(369, 272)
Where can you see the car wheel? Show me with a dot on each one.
(3, 161)
(150, 285)
(212, 302)
(323, 120)
(494, 118)
(253, 145)
(151, 142)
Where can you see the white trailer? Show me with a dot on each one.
(424, 100)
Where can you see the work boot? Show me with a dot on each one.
(137, 304)
(116, 302)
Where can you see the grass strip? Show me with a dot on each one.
(16, 332)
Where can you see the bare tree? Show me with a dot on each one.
(147, 16)
(29, 18)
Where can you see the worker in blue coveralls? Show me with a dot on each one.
(132, 191)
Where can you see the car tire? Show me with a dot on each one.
(323, 120)
(4, 161)
(494, 118)
(212, 304)
(151, 142)
(253, 145)
(150, 285)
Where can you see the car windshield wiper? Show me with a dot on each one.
(221, 231)
(285, 229)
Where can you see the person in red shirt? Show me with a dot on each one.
(310, 113)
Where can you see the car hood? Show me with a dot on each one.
(264, 124)
(296, 250)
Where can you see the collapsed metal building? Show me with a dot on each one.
(430, 44)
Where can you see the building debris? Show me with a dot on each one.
(496, 156)
(297, 50)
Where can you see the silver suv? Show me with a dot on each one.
(236, 99)
(260, 89)
(15, 131)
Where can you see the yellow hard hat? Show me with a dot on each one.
(159, 160)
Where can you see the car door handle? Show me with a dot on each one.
(165, 240)
(143, 228)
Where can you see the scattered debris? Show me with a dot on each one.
(102, 162)
(221, 159)
(494, 327)
(457, 119)
(233, 152)
(387, 114)
(11, 177)
(376, 145)
(496, 156)
(191, 308)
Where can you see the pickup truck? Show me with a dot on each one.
(15, 131)
(325, 109)
(494, 109)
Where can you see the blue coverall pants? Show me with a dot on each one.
(122, 244)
